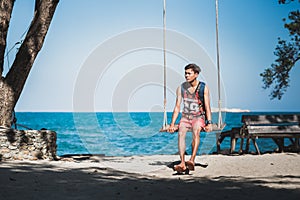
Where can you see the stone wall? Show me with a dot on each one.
(27, 144)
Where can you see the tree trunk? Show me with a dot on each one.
(6, 102)
(12, 85)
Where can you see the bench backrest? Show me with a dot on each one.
(272, 125)
(289, 119)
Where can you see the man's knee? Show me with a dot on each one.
(181, 133)
(197, 130)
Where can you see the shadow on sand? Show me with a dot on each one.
(44, 181)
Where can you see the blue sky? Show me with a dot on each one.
(248, 32)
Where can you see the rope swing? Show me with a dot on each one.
(215, 127)
(165, 123)
(218, 66)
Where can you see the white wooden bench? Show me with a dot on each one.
(276, 127)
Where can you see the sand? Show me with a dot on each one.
(268, 176)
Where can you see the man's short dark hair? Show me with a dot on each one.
(194, 67)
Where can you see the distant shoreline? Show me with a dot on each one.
(235, 110)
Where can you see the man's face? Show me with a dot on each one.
(190, 75)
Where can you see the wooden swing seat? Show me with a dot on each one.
(214, 128)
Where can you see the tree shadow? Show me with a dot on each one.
(44, 181)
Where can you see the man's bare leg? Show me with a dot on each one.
(182, 146)
(195, 145)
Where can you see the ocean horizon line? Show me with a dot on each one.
(214, 110)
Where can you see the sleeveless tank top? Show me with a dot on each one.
(192, 105)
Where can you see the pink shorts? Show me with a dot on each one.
(195, 122)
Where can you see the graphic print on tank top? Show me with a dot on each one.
(192, 105)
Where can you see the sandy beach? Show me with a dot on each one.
(268, 176)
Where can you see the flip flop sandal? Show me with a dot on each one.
(180, 170)
(190, 165)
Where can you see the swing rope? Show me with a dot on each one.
(165, 66)
(218, 66)
(215, 127)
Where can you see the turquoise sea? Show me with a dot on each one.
(124, 134)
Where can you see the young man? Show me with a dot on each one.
(193, 116)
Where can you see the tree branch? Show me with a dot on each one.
(6, 7)
(287, 53)
(33, 42)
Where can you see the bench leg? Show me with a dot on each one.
(233, 142)
(247, 145)
(295, 143)
(241, 146)
(219, 139)
(256, 146)
(280, 143)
